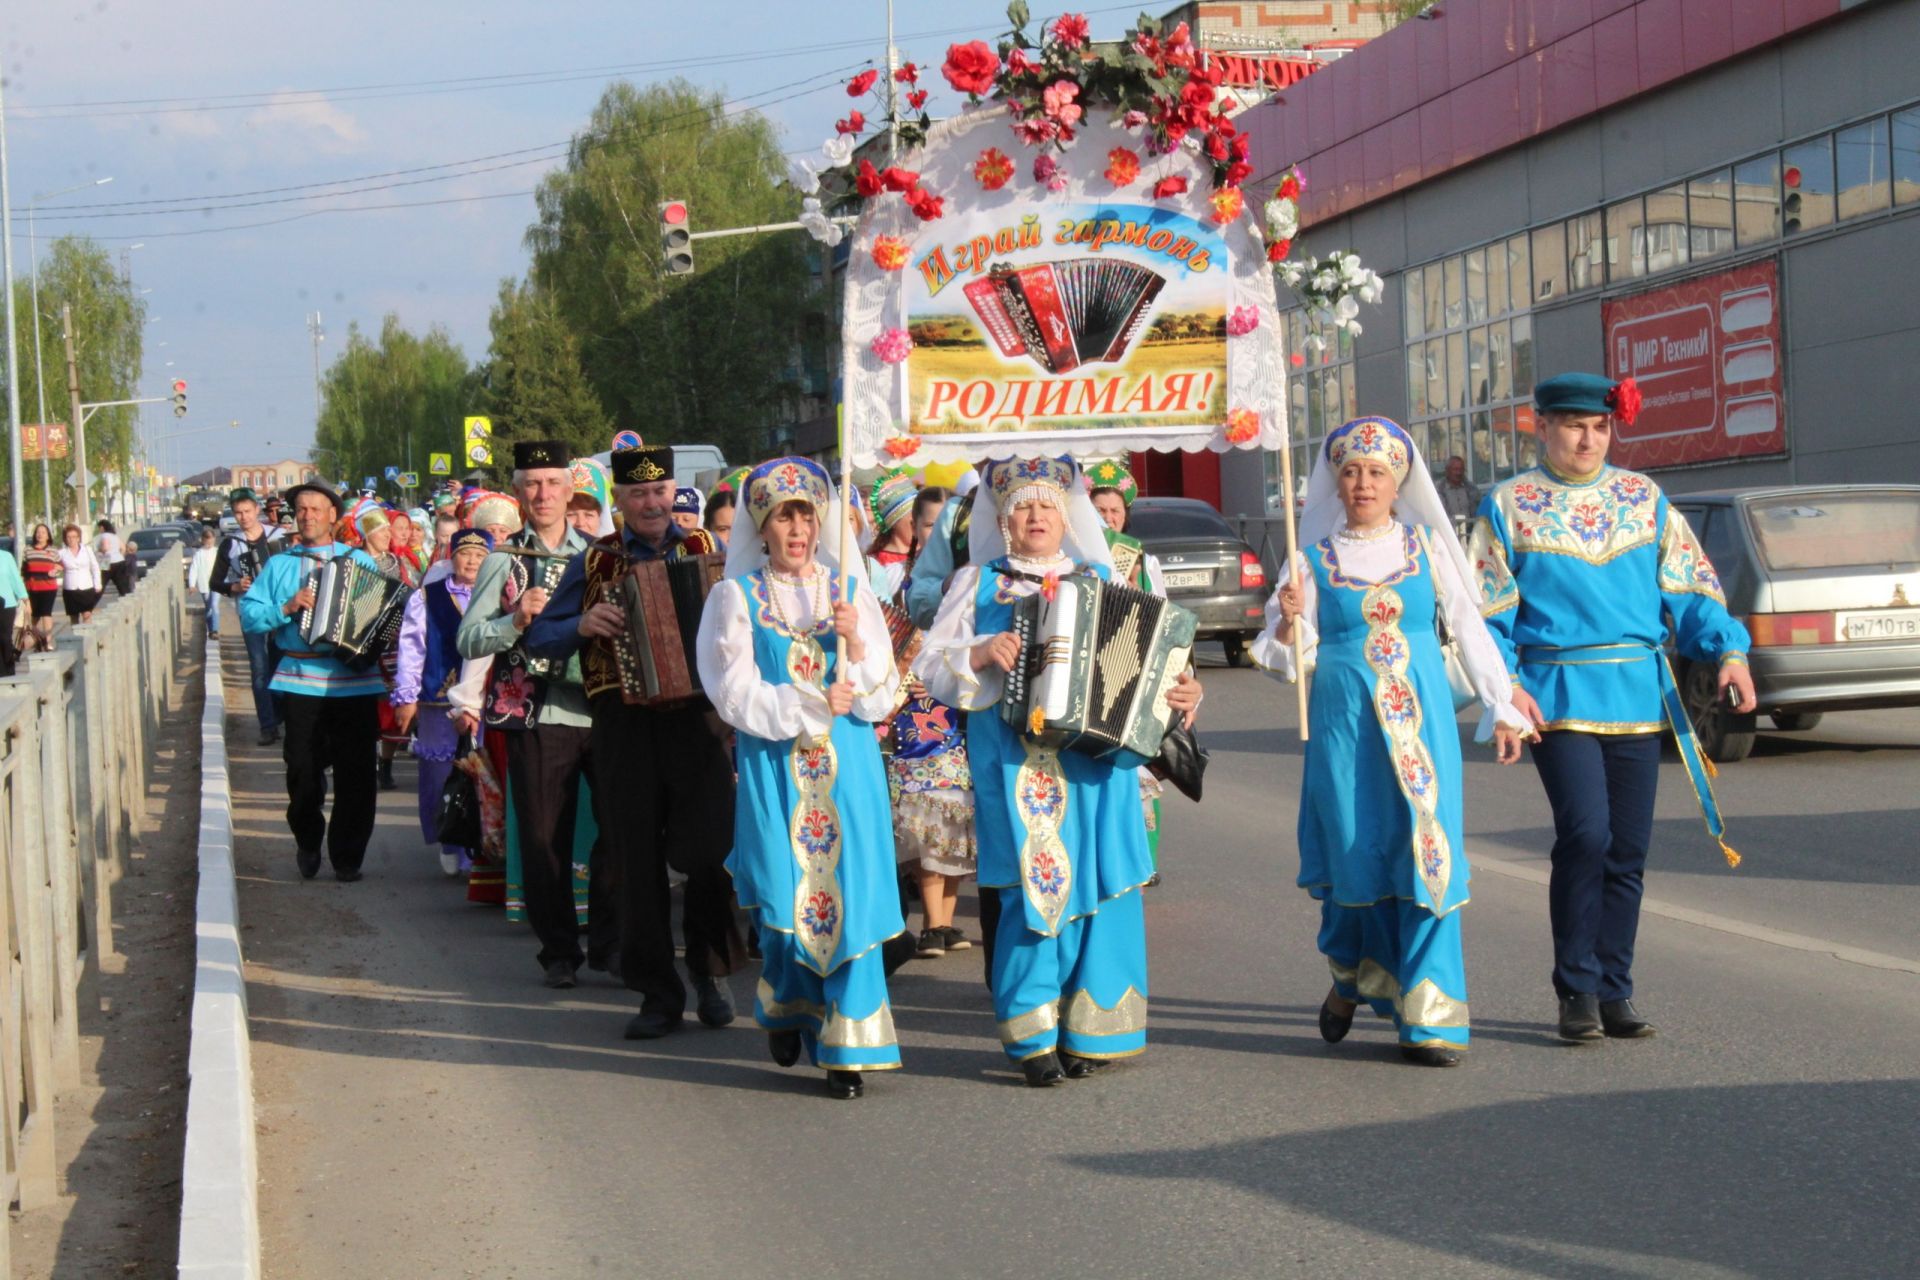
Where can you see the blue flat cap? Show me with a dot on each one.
(1574, 393)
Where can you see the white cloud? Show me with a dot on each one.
(312, 119)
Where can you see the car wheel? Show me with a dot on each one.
(1236, 650)
(1796, 721)
(1725, 737)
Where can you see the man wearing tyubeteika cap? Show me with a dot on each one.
(541, 707)
(671, 801)
(1585, 572)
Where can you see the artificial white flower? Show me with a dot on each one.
(838, 150)
(805, 178)
(817, 224)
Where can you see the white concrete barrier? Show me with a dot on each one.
(219, 1182)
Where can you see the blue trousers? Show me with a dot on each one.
(843, 1019)
(261, 660)
(212, 602)
(1083, 990)
(1602, 790)
(1405, 964)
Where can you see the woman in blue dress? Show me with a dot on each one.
(1380, 801)
(813, 860)
(1060, 837)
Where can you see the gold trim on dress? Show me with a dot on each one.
(1086, 1016)
(1374, 982)
(772, 1007)
(1606, 728)
(1033, 1022)
(1040, 799)
(1344, 974)
(1428, 1006)
(814, 828)
(875, 1031)
(1397, 708)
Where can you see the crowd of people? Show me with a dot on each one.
(846, 755)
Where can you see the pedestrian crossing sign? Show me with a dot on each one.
(392, 473)
(409, 479)
(440, 464)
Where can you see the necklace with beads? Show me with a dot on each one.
(1359, 537)
(812, 585)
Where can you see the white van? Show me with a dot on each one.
(690, 463)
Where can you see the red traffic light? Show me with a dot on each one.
(179, 386)
(1792, 177)
(674, 213)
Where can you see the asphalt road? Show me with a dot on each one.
(428, 1109)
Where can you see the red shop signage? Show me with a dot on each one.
(1707, 356)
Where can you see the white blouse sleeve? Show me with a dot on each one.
(470, 690)
(731, 678)
(1478, 654)
(945, 664)
(1269, 654)
(875, 680)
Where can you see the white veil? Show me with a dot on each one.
(1085, 540)
(1417, 503)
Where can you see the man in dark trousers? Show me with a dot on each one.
(241, 556)
(666, 793)
(331, 714)
(548, 745)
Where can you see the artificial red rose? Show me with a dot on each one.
(1174, 186)
(908, 74)
(867, 181)
(971, 67)
(854, 123)
(1242, 146)
(894, 179)
(1624, 400)
(1278, 250)
(1289, 188)
(861, 83)
(917, 99)
(1018, 63)
(1238, 172)
(1123, 166)
(1070, 31)
(926, 206)
(1216, 147)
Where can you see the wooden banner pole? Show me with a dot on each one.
(1293, 574)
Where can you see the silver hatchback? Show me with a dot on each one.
(1827, 578)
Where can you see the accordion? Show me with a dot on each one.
(1095, 666)
(655, 654)
(1066, 314)
(356, 611)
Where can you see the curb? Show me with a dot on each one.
(219, 1180)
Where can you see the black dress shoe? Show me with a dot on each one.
(269, 736)
(651, 1024)
(1580, 1017)
(1043, 1071)
(784, 1046)
(1620, 1020)
(1333, 1026)
(308, 860)
(386, 773)
(559, 975)
(845, 1085)
(711, 1001)
(1079, 1068)
(348, 876)
(896, 951)
(1429, 1055)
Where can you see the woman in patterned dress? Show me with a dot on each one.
(1380, 802)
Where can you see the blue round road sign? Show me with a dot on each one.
(626, 440)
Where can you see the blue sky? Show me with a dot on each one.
(230, 305)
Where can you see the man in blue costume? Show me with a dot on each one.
(1585, 570)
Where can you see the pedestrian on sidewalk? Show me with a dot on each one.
(241, 555)
(429, 664)
(41, 568)
(114, 560)
(1382, 844)
(200, 578)
(82, 580)
(13, 594)
(673, 803)
(332, 716)
(1587, 571)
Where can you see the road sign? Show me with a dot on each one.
(478, 429)
(392, 473)
(440, 464)
(409, 479)
(479, 455)
(626, 440)
(369, 482)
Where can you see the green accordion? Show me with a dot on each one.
(1096, 662)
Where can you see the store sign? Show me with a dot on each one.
(1242, 71)
(1707, 356)
(42, 440)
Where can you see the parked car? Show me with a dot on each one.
(1827, 578)
(149, 544)
(1209, 569)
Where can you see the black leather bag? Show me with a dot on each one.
(457, 820)
(1182, 761)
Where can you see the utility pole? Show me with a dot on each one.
(19, 483)
(79, 419)
(319, 335)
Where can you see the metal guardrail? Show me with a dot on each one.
(76, 729)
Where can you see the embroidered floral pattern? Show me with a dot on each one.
(1047, 874)
(1498, 591)
(1684, 567)
(821, 915)
(1597, 521)
(1397, 706)
(1330, 559)
(760, 597)
(816, 834)
(1040, 797)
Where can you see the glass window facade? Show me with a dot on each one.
(1321, 396)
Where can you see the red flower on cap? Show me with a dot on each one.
(1624, 400)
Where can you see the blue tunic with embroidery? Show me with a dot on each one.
(1380, 807)
(1583, 581)
(813, 845)
(1063, 826)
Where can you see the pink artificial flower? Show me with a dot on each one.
(1045, 167)
(1058, 102)
(1070, 31)
(1018, 63)
(1035, 130)
(1133, 119)
(1241, 321)
(892, 346)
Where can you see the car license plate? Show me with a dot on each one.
(1881, 624)
(1190, 578)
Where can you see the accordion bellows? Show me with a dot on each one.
(657, 653)
(1066, 314)
(356, 611)
(1095, 666)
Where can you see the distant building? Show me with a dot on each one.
(217, 478)
(272, 477)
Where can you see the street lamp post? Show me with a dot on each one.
(13, 358)
(39, 366)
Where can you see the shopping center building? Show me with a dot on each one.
(1718, 197)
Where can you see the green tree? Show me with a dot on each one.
(536, 388)
(712, 356)
(391, 403)
(109, 324)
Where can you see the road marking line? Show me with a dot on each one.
(1724, 924)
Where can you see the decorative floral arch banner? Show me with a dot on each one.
(1110, 301)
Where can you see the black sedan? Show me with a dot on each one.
(148, 545)
(1208, 568)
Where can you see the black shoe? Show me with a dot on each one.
(386, 773)
(269, 736)
(1429, 1055)
(559, 975)
(845, 1085)
(347, 876)
(784, 1046)
(308, 860)
(711, 1001)
(932, 943)
(753, 945)
(609, 965)
(1580, 1017)
(1043, 1070)
(1334, 1027)
(1079, 1068)
(651, 1024)
(955, 940)
(1620, 1020)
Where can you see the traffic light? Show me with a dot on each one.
(676, 240)
(179, 397)
(1791, 179)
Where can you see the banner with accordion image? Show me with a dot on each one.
(1093, 319)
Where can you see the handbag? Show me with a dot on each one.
(1182, 761)
(457, 819)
